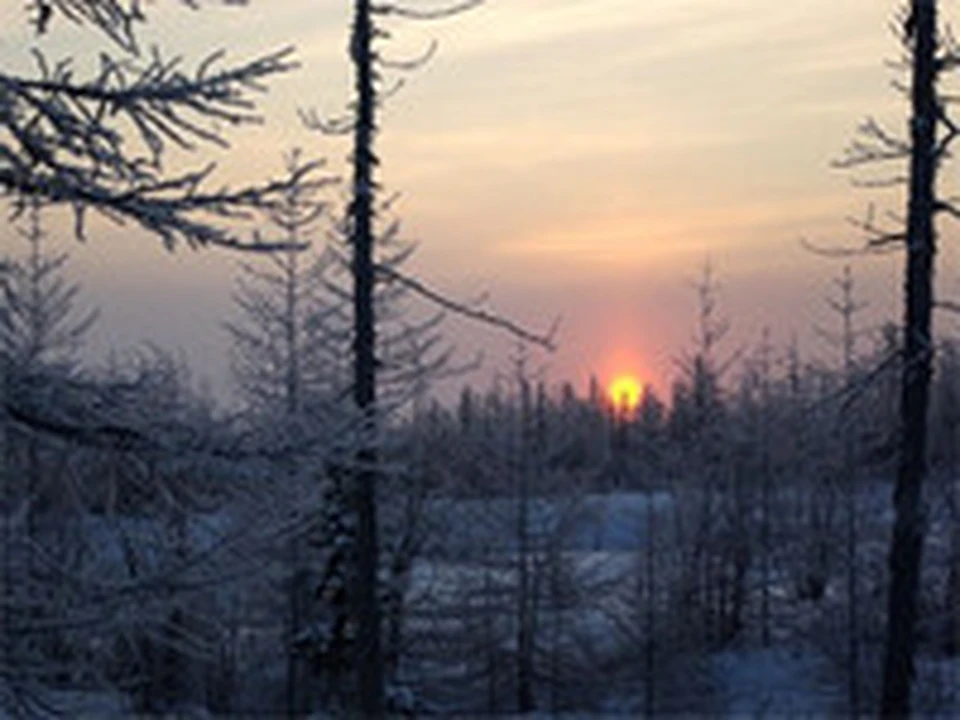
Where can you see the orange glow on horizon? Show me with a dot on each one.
(624, 392)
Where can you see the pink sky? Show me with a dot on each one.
(580, 158)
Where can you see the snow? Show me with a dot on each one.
(82, 705)
(467, 529)
(772, 682)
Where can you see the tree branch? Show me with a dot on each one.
(546, 341)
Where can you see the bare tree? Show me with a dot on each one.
(930, 53)
(906, 546)
(366, 271)
(846, 306)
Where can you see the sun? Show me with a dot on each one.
(624, 392)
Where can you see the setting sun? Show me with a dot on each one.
(624, 392)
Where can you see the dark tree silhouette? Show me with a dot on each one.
(366, 272)
(930, 56)
(907, 542)
(370, 687)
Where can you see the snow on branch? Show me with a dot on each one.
(101, 143)
(345, 123)
(117, 19)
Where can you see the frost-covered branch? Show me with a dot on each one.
(103, 142)
(117, 19)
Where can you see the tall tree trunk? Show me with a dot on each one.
(369, 663)
(907, 543)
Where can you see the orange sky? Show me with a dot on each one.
(580, 158)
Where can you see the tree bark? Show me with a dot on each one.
(907, 543)
(369, 663)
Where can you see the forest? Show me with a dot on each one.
(775, 534)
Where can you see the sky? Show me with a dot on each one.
(580, 159)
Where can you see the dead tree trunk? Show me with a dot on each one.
(368, 660)
(906, 546)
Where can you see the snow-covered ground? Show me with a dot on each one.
(773, 682)
(464, 587)
(587, 558)
(467, 529)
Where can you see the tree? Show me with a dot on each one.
(363, 267)
(284, 358)
(40, 327)
(907, 543)
(366, 272)
(930, 56)
(102, 143)
(697, 424)
(40, 331)
(286, 362)
(846, 308)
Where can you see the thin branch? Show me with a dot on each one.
(409, 13)
(414, 63)
(877, 145)
(340, 125)
(546, 341)
(950, 306)
(947, 206)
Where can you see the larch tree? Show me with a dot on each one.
(103, 142)
(906, 546)
(366, 272)
(847, 307)
(931, 54)
(283, 355)
(697, 421)
(286, 363)
(41, 329)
